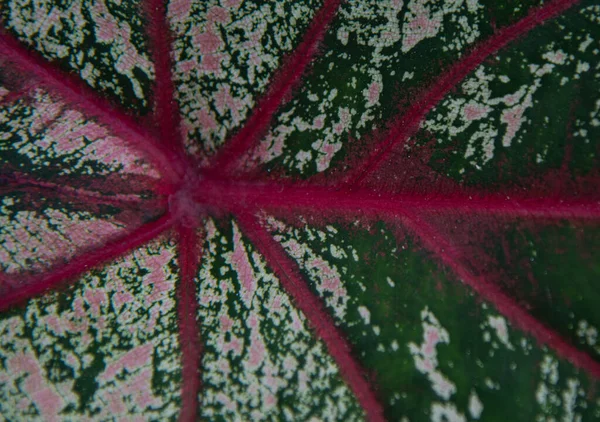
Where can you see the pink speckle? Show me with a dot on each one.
(419, 27)
(257, 353)
(240, 263)
(212, 63)
(45, 399)
(186, 66)
(276, 305)
(271, 147)
(121, 298)
(253, 321)
(232, 3)
(208, 42)
(270, 401)
(106, 28)
(374, 92)
(513, 119)
(296, 323)
(218, 14)
(475, 112)
(226, 322)
(95, 298)
(136, 358)
(226, 401)
(233, 345)
(319, 122)
(327, 151)
(206, 120)
(431, 340)
(224, 101)
(55, 324)
(179, 10)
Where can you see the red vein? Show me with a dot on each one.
(286, 78)
(506, 305)
(74, 91)
(190, 255)
(409, 122)
(254, 196)
(104, 253)
(289, 275)
(22, 182)
(166, 110)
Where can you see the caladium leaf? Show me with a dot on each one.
(307, 209)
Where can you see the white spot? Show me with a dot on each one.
(475, 405)
(499, 325)
(365, 314)
(425, 354)
(445, 412)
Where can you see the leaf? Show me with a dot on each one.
(299, 210)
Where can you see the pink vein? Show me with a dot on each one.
(190, 255)
(451, 256)
(74, 91)
(254, 196)
(107, 252)
(289, 275)
(166, 110)
(286, 78)
(409, 122)
(48, 189)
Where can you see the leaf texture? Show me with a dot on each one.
(299, 210)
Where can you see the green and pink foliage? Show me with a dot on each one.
(299, 210)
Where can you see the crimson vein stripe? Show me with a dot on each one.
(102, 254)
(451, 257)
(289, 275)
(254, 196)
(74, 91)
(284, 80)
(190, 256)
(20, 182)
(166, 110)
(407, 124)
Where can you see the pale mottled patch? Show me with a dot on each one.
(46, 134)
(99, 39)
(226, 53)
(491, 114)
(33, 240)
(425, 355)
(327, 276)
(425, 19)
(260, 359)
(104, 349)
(345, 98)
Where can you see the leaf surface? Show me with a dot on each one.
(308, 209)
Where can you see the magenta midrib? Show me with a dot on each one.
(235, 196)
(226, 195)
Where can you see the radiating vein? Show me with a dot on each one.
(407, 124)
(253, 196)
(21, 182)
(289, 275)
(190, 257)
(59, 274)
(166, 111)
(451, 256)
(285, 79)
(74, 91)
